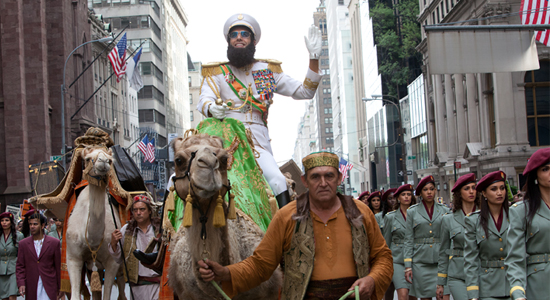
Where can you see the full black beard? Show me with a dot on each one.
(241, 57)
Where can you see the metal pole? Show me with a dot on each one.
(63, 94)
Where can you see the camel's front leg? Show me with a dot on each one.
(111, 269)
(74, 267)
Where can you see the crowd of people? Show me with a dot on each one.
(487, 246)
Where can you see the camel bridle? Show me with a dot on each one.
(203, 218)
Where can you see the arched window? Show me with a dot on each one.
(537, 99)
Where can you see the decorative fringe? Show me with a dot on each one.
(274, 205)
(95, 283)
(275, 67)
(188, 212)
(219, 216)
(211, 70)
(170, 202)
(232, 213)
(65, 285)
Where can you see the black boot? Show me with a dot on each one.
(146, 258)
(283, 198)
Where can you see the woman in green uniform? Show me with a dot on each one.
(422, 240)
(386, 208)
(529, 233)
(450, 267)
(363, 197)
(485, 241)
(9, 242)
(373, 201)
(394, 234)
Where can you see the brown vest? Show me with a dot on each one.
(132, 262)
(299, 259)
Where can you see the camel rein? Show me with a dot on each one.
(94, 252)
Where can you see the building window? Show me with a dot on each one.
(151, 92)
(324, 43)
(190, 98)
(326, 81)
(152, 116)
(328, 120)
(537, 94)
(328, 130)
(192, 118)
(327, 101)
(328, 110)
(326, 91)
(324, 62)
(149, 68)
(329, 140)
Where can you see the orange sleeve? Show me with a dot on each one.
(259, 267)
(381, 260)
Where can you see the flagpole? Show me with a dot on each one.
(97, 57)
(104, 82)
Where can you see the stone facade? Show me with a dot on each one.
(36, 37)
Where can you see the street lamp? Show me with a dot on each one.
(63, 91)
(381, 97)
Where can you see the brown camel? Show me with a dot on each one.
(229, 244)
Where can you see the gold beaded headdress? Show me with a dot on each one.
(320, 159)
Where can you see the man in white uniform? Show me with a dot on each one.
(243, 89)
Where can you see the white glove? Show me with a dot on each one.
(218, 111)
(313, 42)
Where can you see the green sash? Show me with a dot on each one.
(247, 181)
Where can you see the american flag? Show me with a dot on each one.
(150, 155)
(535, 12)
(117, 56)
(345, 166)
(142, 146)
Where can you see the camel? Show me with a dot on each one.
(90, 227)
(207, 175)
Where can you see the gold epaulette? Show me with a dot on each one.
(273, 65)
(212, 69)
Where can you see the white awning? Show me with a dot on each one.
(481, 51)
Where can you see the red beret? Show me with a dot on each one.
(6, 214)
(374, 194)
(387, 194)
(30, 213)
(403, 188)
(423, 183)
(539, 158)
(365, 193)
(464, 180)
(489, 179)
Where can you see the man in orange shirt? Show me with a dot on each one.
(348, 249)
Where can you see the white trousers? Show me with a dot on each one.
(262, 144)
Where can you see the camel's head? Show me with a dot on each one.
(98, 161)
(205, 159)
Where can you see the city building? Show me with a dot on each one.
(367, 82)
(37, 38)
(486, 121)
(195, 82)
(159, 28)
(323, 100)
(307, 139)
(344, 114)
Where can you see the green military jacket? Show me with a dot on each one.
(8, 254)
(529, 274)
(394, 234)
(484, 258)
(451, 251)
(380, 220)
(422, 235)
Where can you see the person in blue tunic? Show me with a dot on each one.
(528, 259)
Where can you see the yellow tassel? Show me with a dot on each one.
(188, 213)
(65, 285)
(219, 216)
(274, 205)
(170, 204)
(95, 283)
(232, 213)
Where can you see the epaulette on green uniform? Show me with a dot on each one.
(391, 212)
(413, 206)
(213, 68)
(473, 213)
